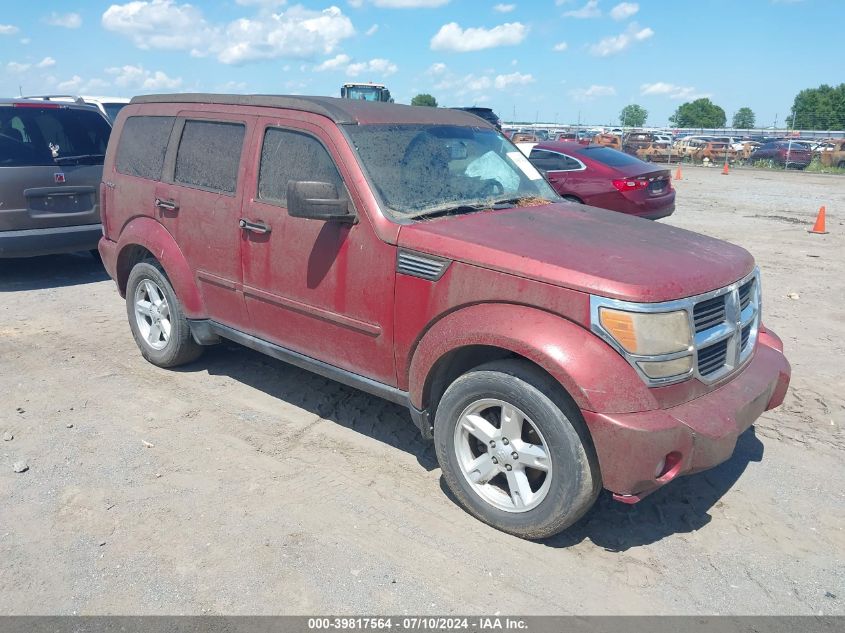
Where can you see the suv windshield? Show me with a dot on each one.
(33, 135)
(426, 169)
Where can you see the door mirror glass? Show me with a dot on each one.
(316, 201)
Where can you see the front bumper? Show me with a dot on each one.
(690, 437)
(50, 241)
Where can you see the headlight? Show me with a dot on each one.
(659, 345)
(647, 334)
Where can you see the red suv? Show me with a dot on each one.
(549, 349)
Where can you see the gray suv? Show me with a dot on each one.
(51, 164)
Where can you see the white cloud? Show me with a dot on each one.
(18, 67)
(617, 43)
(624, 10)
(593, 92)
(47, 62)
(560, 47)
(264, 4)
(139, 78)
(372, 30)
(355, 4)
(232, 86)
(66, 20)
(8, 29)
(378, 66)
(451, 37)
(671, 90)
(295, 33)
(342, 62)
(71, 85)
(160, 24)
(513, 79)
(504, 8)
(335, 63)
(472, 88)
(409, 4)
(437, 68)
(589, 10)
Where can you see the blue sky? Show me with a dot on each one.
(554, 60)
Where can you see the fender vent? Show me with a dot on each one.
(423, 266)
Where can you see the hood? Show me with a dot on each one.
(583, 248)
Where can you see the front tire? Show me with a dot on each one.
(156, 318)
(515, 451)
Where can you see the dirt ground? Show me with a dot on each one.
(241, 485)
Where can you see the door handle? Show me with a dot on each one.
(167, 205)
(255, 227)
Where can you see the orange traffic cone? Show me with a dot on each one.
(725, 170)
(678, 175)
(818, 227)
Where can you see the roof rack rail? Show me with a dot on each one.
(76, 98)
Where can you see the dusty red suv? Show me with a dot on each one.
(549, 349)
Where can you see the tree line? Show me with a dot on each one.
(821, 108)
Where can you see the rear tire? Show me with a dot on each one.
(156, 318)
(526, 414)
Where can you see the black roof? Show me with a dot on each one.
(340, 111)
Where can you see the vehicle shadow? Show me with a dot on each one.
(350, 408)
(682, 506)
(50, 271)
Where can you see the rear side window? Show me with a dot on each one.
(609, 156)
(552, 161)
(288, 155)
(32, 136)
(209, 155)
(142, 146)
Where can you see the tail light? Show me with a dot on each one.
(630, 184)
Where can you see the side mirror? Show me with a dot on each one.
(316, 201)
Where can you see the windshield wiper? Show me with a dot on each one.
(448, 210)
(61, 160)
(506, 203)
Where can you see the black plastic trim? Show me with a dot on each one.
(50, 241)
(203, 329)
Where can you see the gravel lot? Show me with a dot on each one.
(240, 485)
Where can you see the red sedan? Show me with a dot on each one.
(599, 176)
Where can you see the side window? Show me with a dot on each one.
(287, 155)
(142, 146)
(543, 160)
(209, 155)
(569, 164)
(552, 161)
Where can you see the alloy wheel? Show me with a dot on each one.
(503, 455)
(152, 314)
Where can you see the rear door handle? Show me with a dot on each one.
(255, 227)
(167, 205)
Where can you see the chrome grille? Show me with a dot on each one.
(726, 323)
(709, 313)
(423, 266)
(712, 358)
(745, 292)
